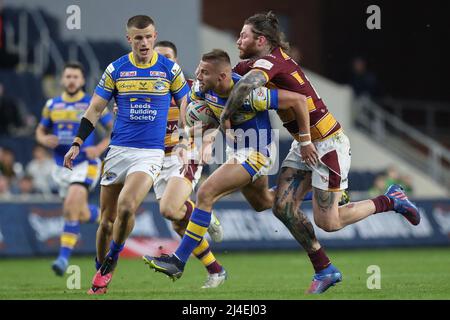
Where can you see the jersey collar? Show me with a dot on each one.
(146, 65)
(77, 97)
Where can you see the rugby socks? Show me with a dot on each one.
(69, 238)
(204, 254)
(202, 251)
(115, 249)
(196, 229)
(382, 204)
(94, 210)
(319, 260)
(97, 264)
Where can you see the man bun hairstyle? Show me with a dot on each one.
(267, 25)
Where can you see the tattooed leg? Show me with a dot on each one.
(330, 217)
(293, 184)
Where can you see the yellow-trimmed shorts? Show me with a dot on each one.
(254, 162)
(86, 173)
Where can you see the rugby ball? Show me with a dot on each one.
(199, 112)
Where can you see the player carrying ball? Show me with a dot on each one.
(250, 157)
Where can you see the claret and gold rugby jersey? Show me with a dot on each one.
(283, 72)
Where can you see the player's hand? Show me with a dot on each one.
(70, 156)
(181, 150)
(225, 127)
(50, 141)
(225, 124)
(309, 154)
(206, 152)
(92, 152)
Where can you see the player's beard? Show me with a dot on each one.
(249, 53)
(74, 92)
(205, 88)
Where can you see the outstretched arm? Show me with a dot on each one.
(252, 80)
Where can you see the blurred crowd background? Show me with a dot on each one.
(386, 86)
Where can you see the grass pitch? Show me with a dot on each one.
(405, 274)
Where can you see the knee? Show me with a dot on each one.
(106, 226)
(168, 211)
(126, 209)
(71, 209)
(279, 208)
(328, 226)
(262, 206)
(204, 196)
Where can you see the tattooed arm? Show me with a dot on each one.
(241, 90)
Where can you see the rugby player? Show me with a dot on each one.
(319, 155)
(249, 157)
(176, 182)
(59, 123)
(142, 84)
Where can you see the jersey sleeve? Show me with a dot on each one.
(268, 66)
(179, 87)
(106, 117)
(241, 68)
(262, 99)
(106, 85)
(46, 121)
(195, 93)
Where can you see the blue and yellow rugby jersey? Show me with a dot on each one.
(143, 94)
(61, 116)
(253, 114)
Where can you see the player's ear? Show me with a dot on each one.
(261, 41)
(222, 76)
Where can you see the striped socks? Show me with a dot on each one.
(196, 229)
(69, 238)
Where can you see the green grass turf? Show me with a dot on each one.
(405, 274)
